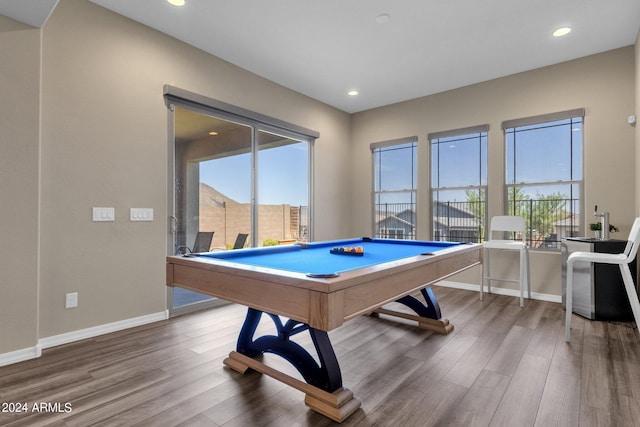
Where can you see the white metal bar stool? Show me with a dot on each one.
(622, 260)
(504, 224)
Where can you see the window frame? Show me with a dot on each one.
(473, 132)
(576, 206)
(391, 144)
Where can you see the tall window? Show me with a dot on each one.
(394, 183)
(544, 175)
(459, 183)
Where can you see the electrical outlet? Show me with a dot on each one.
(71, 300)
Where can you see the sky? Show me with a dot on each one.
(283, 170)
(540, 156)
(282, 175)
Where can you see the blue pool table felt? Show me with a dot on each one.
(316, 259)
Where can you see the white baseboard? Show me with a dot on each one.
(500, 291)
(101, 329)
(20, 355)
(36, 351)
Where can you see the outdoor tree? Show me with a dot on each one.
(476, 202)
(540, 212)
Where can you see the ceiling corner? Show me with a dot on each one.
(30, 12)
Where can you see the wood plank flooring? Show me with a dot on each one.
(502, 366)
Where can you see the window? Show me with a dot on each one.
(459, 184)
(544, 175)
(395, 233)
(394, 183)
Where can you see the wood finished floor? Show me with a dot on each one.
(501, 366)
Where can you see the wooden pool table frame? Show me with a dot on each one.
(322, 304)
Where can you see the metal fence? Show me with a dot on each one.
(395, 221)
(459, 221)
(548, 221)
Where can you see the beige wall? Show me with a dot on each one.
(636, 126)
(19, 156)
(602, 84)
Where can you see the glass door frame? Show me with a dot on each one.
(176, 97)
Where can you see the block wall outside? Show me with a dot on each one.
(278, 222)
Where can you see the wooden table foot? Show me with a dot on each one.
(235, 364)
(338, 410)
(441, 326)
(336, 406)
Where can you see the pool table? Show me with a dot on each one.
(317, 290)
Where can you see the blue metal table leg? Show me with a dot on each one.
(428, 314)
(430, 310)
(326, 375)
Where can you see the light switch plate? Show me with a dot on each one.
(141, 214)
(104, 214)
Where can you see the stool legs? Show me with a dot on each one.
(524, 274)
(485, 275)
(569, 301)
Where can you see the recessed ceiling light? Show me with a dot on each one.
(383, 19)
(562, 31)
(213, 133)
(176, 2)
(352, 93)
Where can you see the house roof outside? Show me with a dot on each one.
(461, 220)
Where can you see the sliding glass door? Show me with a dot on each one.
(283, 189)
(236, 183)
(212, 190)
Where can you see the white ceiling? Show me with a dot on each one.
(324, 48)
(32, 12)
